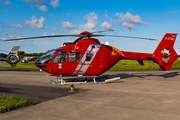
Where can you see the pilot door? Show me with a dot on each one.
(59, 64)
(65, 62)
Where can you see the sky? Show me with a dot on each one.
(139, 18)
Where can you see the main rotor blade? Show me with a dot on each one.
(123, 36)
(42, 37)
(4, 50)
(101, 31)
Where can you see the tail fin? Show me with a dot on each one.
(13, 57)
(15, 49)
(165, 54)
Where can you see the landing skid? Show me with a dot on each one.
(60, 80)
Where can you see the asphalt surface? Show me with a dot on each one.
(138, 95)
(37, 93)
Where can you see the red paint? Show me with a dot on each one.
(103, 58)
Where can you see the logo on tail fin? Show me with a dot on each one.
(170, 38)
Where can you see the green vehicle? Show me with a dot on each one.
(24, 61)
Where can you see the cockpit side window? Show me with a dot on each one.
(88, 56)
(46, 57)
(60, 57)
(75, 56)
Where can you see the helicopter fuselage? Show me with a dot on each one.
(88, 58)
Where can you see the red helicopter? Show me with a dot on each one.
(86, 56)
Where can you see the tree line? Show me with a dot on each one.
(29, 54)
(23, 54)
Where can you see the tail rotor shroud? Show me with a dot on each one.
(166, 54)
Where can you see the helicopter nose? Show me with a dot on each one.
(40, 66)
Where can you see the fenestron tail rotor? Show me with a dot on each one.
(166, 55)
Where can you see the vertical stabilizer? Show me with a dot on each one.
(165, 54)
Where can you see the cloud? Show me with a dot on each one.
(55, 29)
(68, 25)
(13, 25)
(35, 23)
(20, 37)
(5, 10)
(43, 8)
(128, 25)
(11, 36)
(89, 26)
(5, 2)
(55, 3)
(1, 31)
(128, 17)
(65, 13)
(172, 12)
(106, 15)
(34, 1)
(107, 26)
(45, 34)
(128, 20)
(146, 23)
(92, 20)
(4, 38)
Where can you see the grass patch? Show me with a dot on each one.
(13, 102)
(125, 65)
(22, 66)
(134, 65)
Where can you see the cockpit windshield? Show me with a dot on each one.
(45, 58)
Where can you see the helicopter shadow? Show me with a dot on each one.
(166, 75)
(104, 77)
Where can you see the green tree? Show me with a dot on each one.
(32, 54)
(21, 52)
(2, 55)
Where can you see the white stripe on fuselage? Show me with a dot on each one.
(84, 65)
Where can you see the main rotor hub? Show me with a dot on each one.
(85, 34)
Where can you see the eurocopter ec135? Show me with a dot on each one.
(86, 56)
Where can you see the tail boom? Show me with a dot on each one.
(137, 56)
